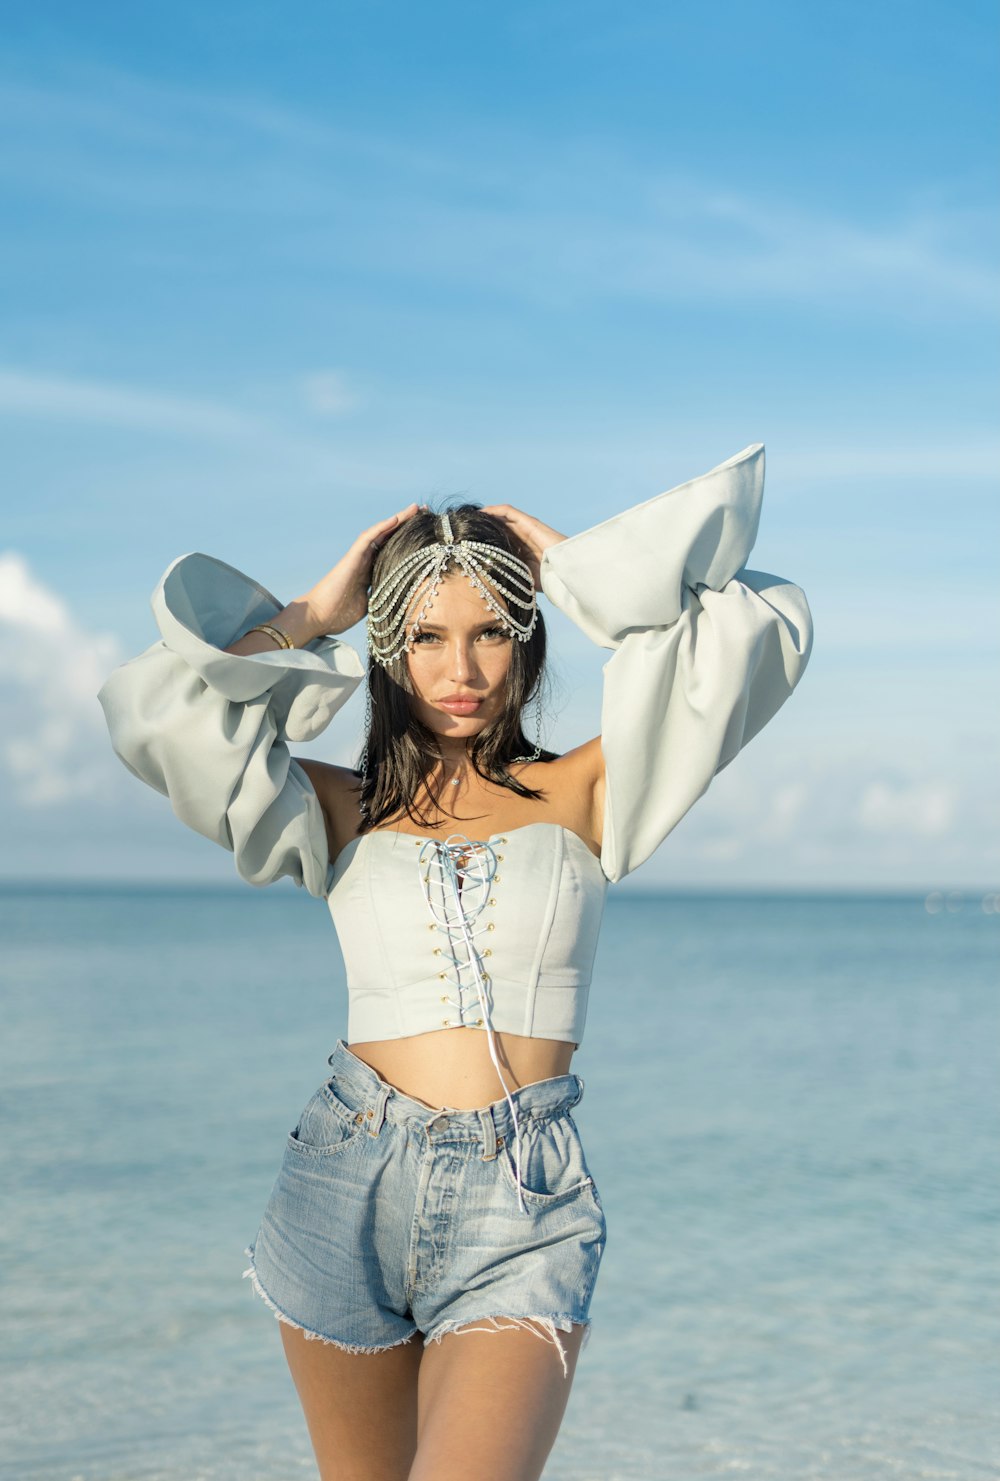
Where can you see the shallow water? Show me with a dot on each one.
(791, 1112)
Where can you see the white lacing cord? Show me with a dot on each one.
(445, 855)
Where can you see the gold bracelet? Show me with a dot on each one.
(276, 633)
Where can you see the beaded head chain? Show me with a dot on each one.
(389, 603)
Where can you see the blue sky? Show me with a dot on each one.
(270, 273)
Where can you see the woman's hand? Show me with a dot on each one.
(534, 536)
(340, 599)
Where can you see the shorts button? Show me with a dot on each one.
(359, 1118)
(369, 1114)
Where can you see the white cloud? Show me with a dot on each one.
(109, 403)
(54, 746)
(826, 816)
(329, 393)
(786, 808)
(920, 809)
(969, 456)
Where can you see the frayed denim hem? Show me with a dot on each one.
(311, 1336)
(543, 1326)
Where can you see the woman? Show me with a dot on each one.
(435, 1186)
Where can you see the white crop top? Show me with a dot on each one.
(532, 901)
(704, 652)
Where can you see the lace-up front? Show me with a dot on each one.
(456, 875)
(495, 934)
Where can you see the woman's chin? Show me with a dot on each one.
(454, 727)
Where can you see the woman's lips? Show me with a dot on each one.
(460, 706)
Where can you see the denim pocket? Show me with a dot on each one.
(326, 1125)
(553, 1166)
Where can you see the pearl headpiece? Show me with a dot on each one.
(391, 600)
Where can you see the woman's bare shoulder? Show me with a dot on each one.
(338, 789)
(574, 788)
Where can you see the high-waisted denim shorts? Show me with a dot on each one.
(389, 1217)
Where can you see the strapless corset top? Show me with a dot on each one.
(461, 932)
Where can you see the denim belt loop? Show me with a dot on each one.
(375, 1116)
(490, 1140)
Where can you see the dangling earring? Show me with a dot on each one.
(363, 764)
(538, 732)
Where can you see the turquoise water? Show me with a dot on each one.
(791, 1112)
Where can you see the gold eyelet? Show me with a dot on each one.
(432, 927)
(491, 901)
(444, 1023)
(437, 951)
(490, 927)
(500, 858)
(488, 951)
(369, 1114)
(479, 1023)
(441, 976)
(444, 997)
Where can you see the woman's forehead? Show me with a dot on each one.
(457, 603)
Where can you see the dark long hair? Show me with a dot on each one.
(402, 751)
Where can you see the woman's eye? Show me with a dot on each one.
(490, 632)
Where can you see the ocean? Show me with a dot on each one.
(791, 1112)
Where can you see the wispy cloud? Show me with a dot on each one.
(107, 403)
(537, 222)
(54, 747)
(915, 810)
(849, 819)
(58, 398)
(330, 393)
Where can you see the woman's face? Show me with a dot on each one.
(461, 650)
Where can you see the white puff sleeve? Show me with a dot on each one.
(706, 651)
(209, 729)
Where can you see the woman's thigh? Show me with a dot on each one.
(490, 1404)
(360, 1408)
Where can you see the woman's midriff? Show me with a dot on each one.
(452, 1067)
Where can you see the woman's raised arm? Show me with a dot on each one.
(205, 714)
(705, 650)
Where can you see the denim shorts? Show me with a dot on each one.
(389, 1217)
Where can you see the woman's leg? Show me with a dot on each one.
(491, 1403)
(361, 1408)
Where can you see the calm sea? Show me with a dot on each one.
(791, 1112)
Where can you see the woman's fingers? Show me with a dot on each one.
(377, 534)
(536, 535)
(340, 598)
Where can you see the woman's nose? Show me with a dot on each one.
(463, 663)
